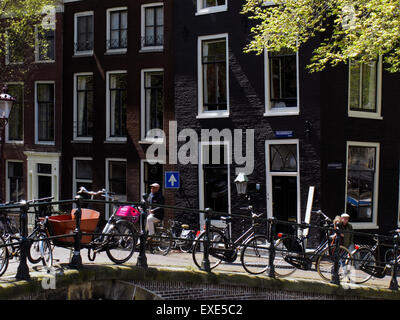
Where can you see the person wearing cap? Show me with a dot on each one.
(347, 238)
(156, 214)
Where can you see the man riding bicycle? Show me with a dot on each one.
(156, 214)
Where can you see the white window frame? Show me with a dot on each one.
(269, 111)
(75, 115)
(209, 10)
(228, 147)
(369, 115)
(108, 108)
(142, 162)
(8, 180)
(107, 184)
(51, 143)
(218, 113)
(74, 180)
(6, 56)
(144, 137)
(37, 59)
(143, 47)
(7, 140)
(374, 223)
(108, 35)
(76, 16)
(269, 174)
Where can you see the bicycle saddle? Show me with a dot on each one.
(226, 219)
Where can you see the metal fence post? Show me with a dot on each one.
(335, 272)
(393, 282)
(23, 269)
(76, 260)
(205, 264)
(142, 259)
(272, 231)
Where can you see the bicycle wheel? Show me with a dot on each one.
(187, 244)
(4, 257)
(164, 241)
(255, 255)
(363, 257)
(121, 246)
(46, 251)
(325, 263)
(198, 249)
(282, 253)
(34, 255)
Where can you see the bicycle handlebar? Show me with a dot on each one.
(322, 214)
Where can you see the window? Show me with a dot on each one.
(15, 127)
(362, 182)
(281, 83)
(83, 111)
(45, 112)
(44, 180)
(84, 33)
(116, 104)
(117, 29)
(152, 101)
(15, 181)
(153, 26)
(213, 76)
(45, 45)
(364, 89)
(82, 175)
(152, 173)
(211, 6)
(15, 47)
(116, 180)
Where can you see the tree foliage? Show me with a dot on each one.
(19, 26)
(347, 29)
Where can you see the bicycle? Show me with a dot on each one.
(222, 248)
(292, 254)
(186, 236)
(120, 239)
(38, 242)
(367, 261)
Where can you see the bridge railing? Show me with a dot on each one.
(270, 224)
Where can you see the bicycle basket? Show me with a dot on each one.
(129, 213)
(292, 244)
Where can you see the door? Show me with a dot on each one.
(283, 190)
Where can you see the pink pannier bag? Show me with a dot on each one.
(129, 213)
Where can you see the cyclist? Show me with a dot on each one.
(156, 214)
(347, 238)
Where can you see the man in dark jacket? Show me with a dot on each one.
(347, 237)
(156, 214)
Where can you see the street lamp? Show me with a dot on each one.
(241, 183)
(6, 104)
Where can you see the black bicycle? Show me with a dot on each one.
(292, 254)
(368, 262)
(39, 246)
(254, 248)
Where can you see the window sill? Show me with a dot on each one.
(213, 115)
(211, 10)
(83, 54)
(116, 141)
(45, 143)
(151, 49)
(18, 142)
(279, 113)
(111, 52)
(364, 115)
(82, 140)
(45, 61)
